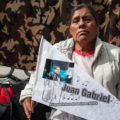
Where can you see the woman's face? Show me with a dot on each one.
(83, 27)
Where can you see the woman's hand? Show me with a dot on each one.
(28, 106)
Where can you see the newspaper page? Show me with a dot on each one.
(61, 84)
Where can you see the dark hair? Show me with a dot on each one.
(83, 5)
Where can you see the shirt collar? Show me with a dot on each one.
(84, 53)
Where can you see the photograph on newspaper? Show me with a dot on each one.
(58, 71)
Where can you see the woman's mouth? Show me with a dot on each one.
(83, 32)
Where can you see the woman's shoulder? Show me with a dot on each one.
(113, 50)
(68, 43)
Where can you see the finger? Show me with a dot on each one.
(27, 107)
(32, 106)
(27, 112)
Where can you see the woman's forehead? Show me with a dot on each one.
(82, 12)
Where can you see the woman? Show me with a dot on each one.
(99, 59)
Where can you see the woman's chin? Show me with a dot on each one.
(81, 39)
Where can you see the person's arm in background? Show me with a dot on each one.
(26, 94)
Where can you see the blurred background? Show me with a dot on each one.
(23, 22)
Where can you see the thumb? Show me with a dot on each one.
(32, 105)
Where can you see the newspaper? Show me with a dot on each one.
(61, 84)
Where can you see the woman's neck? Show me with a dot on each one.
(86, 47)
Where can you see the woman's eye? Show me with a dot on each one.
(87, 19)
(75, 20)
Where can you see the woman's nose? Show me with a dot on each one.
(81, 23)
